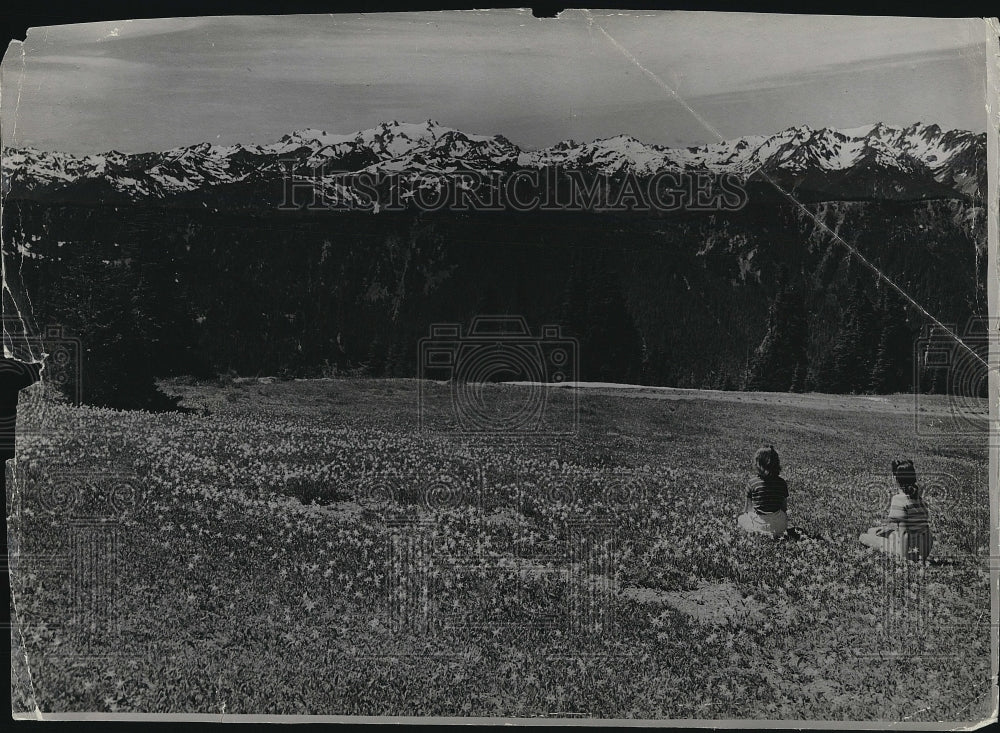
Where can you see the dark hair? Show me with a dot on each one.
(906, 476)
(767, 463)
(904, 472)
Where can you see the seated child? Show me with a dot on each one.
(767, 497)
(907, 531)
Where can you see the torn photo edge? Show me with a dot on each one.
(992, 36)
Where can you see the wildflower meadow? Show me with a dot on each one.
(337, 547)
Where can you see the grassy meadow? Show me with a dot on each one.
(341, 547)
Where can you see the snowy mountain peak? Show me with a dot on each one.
(800, 130)
(942, 162)
(880, 129)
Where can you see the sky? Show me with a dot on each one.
(670, 78)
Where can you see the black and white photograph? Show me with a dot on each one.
(481, 367)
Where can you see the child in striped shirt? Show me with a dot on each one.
(766, 509)
(907, 531)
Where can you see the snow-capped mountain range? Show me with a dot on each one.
(874, 161)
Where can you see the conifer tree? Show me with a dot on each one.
(892, 369)
(596, 312)
(780, 362)
(847, 368)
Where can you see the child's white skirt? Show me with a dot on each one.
(773, 523)
(914, 545)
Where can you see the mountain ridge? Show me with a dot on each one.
(873, 161)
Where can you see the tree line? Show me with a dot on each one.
(758, 299)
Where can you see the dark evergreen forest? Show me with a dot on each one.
(762, 298)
